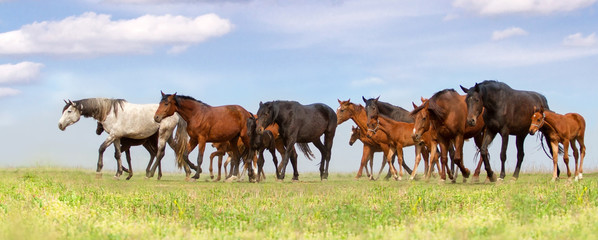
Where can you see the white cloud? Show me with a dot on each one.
(367, 82)
(507, 33)
(23, 72)
(97, 34)
(498, 7)
(578, 40)
(8, 92)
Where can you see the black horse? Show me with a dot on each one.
(266, 140)
(300, 124)
(507, 112)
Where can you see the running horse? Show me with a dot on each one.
(300, 124)
(209, 124)
(506, 111)
(565, 129)
(444, 116)
(119, 119)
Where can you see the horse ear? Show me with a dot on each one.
(423, 99)
(174, 95)
(65, 101)
(364, 100)
(72, 103)
(377, 98)
(162, 93)
(339, 101)
(465, 90)
(414, 106)
(261, 103)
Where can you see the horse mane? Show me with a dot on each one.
(433, 107)
(388, 107)
(99, 108)
(177, 97)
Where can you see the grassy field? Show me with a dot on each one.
(51, 203)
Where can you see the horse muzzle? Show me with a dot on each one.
(471, 122)
(157, 119)
(416, 137)
(61, 127)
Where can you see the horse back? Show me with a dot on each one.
(308, 121)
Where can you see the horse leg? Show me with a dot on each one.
(418, 157)
(576, 157)
(212, 155)
(459, 141)
(328, 140)
(279, 145)
(201, 147)
(400, 158)
(582, 154)
(103, 147)
(384, 160)
(566, 157)
(478, 142)
(160, 153)
(451, 151)
(364, 158)
(433, 160)
(289, 148)
(520, 153)
(444, 161)
(219, 168)
(488, 137)
(555, 157)
(260, 164)
(322, 149)
(371, 161)
(128, 156)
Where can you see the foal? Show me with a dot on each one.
(355, 135)
(565, 129)
(399, 136)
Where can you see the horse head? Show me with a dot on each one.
(343, 112)
(266, 115)
(422, 120)
(475, 104)
(254, 137)
(371, 107)
(355, 134)
(537, 120)
(71, 113)
(168, 105)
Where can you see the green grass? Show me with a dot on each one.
(52, 203)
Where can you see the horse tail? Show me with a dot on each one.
(181, 140)
(306, 151)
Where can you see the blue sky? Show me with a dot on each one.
(244, 52)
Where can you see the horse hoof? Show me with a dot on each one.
(580, 176)
(216, 180)
(116, 177)
(514, 179)
(129, 177)
(475, 179)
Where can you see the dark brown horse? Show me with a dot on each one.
(377, 143)
(209, 124)
(565, 129)
(505, 111)
(267, 139)
(444, 116)
(300, 124)
(399, 136)
(150, 144)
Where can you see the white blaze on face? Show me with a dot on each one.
(414, 130)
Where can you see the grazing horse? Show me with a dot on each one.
(209, 124)
(506, 111)
(399, 136)
(300, 124)
(378, 143)
(119, 119)
(444, 116)
(565, 129)
(150, 144)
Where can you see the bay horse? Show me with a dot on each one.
(399, 136)
(119, 119)
(150, 144)
(300, 124)
(565, 129)
(377, 143)
(444, 116)
(208, 124)
(505, 111)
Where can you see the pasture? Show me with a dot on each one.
(54, 203)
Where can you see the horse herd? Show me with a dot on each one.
(437, 128)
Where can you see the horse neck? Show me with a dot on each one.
(551, 121)
(360, 117)
(188, 108)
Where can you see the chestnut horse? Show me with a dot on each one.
(209, 124)
(565, 129)
(505, 111)
(300, 124)
(357, 133)
(399, 136)
(377, 143)
(444, 116)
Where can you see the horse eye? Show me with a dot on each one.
(70, 111)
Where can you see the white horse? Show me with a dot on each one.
(136, 121)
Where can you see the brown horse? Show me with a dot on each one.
(223, 148)
(209, 124)
(356, 134)
(444, 115)
(399, 136)
(565, 129)
(377, 143)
